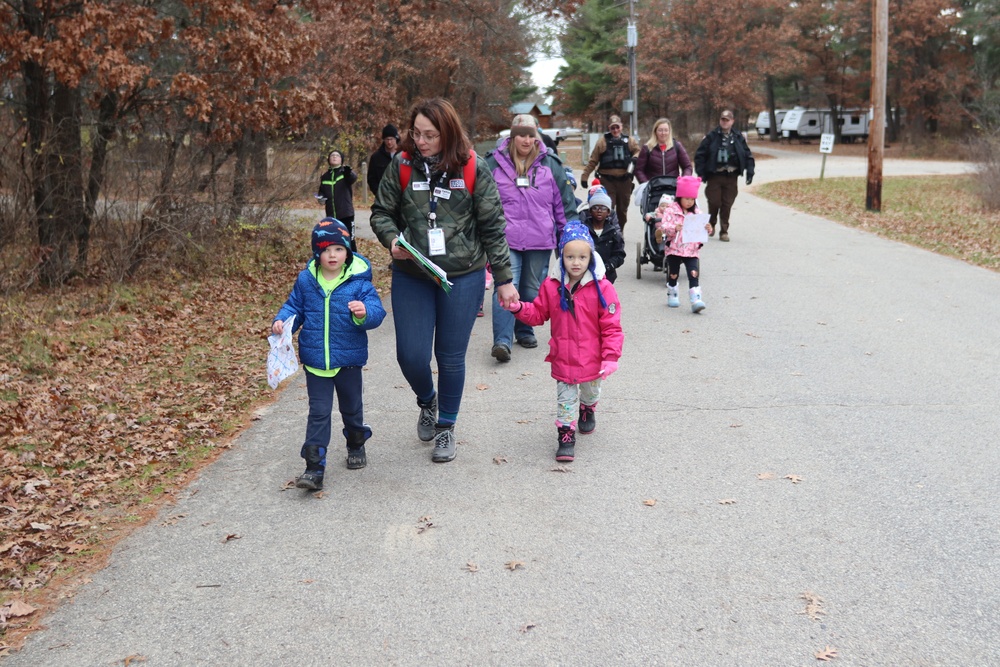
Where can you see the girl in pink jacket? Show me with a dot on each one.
(586, 329)
(678, 252)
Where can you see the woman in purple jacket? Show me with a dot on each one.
(537, 202)
(662, 155)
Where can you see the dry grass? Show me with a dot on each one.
(939, 213)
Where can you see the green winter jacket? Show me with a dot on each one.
(473, 224)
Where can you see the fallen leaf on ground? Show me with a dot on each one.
(562, 469)
(18, 608)
(737, 425)
(471, 567)
(134, 658)
(514, 564)
(814, 605)
(821, 323)
(424, 524)
(795, 478)
(319, 495)
(290, 484)
(231, 536)
(172, 520)
(765, 475)
(482, 387)
(649, 502)
(728, 501)
(827, 654)
(499, 459)
(526, 627)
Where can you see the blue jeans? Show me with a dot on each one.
(529, 268)
(427, 318)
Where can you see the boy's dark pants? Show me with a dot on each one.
(721, 192)
(348, 385)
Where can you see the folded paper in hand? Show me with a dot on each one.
(281, 360)
(435, 272)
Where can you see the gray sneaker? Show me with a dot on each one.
(428, 418)
(444, 444)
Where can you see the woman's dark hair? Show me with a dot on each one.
(455, 144)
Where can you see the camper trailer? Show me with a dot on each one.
(763, 123)
(804, 124)
(854, 125)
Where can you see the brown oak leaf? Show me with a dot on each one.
(649, 502)
(471, 567)
(514, 564)
(827, 654)
(794, 478)
(765, 475)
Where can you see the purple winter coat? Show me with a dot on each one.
(653, 163)
(536, 214)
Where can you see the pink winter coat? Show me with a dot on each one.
(583, 338)
(672, 223)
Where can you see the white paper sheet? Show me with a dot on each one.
(281, 360)
(694, 228)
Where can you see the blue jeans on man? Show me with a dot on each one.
(529, 268)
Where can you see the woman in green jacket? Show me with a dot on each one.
(448, 209)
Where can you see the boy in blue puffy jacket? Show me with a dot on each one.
(334, 303)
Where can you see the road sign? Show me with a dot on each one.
(826, 143)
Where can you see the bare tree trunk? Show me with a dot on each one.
(106, 129)
(240, 178)
(258, 157)
(773, 132)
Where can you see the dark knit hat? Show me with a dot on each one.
(328, 232)
(577, 231)
(390, 131)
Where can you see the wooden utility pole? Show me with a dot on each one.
(876, 131)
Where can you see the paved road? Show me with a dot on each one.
(865, 368)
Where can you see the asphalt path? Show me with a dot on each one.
(822, 439)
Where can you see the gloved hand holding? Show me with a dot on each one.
(607, 368)
(347, 168)
(749, 179)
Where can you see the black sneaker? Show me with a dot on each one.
(310, 480)
(356, 458)
(501, 352)
(444, 444)
(588, 421)
(528, 342)
(567, 443)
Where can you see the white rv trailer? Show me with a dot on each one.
(763, 123)
(804, 124)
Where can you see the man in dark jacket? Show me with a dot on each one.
(721, 159)
(613, 158)
(381, 158)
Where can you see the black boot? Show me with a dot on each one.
(356, 449)
(312, 478)
(567, 443)
(587, 421)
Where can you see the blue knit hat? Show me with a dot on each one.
(577, 231)
(328, 232)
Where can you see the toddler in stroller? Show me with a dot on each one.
(651, 249)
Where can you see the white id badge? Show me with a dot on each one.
(421, 185)
(522, 181)
(442, 193)
(435, 241)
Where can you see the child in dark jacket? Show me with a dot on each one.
(336, 192)
(607, 235)
(334, 303)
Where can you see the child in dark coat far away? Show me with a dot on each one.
(335, 304)
(605, 232)
(587, 337)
